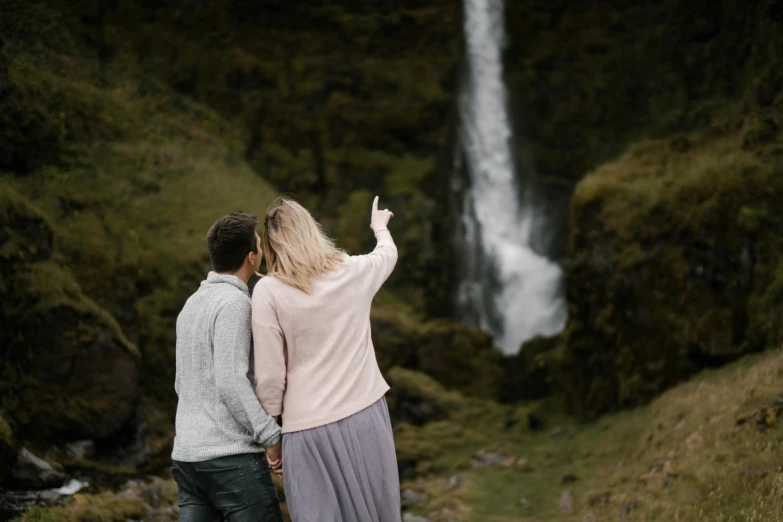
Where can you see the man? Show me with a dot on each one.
(221, 428)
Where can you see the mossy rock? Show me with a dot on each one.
(531, 373)
(68, 372)
(675, 265)
(25, 233)
(460, 357)
(442, 420)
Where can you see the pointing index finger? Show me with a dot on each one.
(375, 204)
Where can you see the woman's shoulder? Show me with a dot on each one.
(266, 287)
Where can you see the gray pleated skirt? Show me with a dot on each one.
(345, 471)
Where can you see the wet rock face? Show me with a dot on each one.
(31, 472)
(68, 371)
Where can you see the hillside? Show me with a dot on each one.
(707, 450)
(126, 128)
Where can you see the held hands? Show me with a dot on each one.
(379, 218)
(274, 457)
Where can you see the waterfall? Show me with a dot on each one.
(506, 287)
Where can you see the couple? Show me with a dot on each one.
(301, 348)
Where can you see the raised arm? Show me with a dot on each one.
(379, 264)
(231, 345)
(268, 351)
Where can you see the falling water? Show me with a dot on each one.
(507, 288)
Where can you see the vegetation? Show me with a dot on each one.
(588, 80)
(676, 261)
(127, 128)
(706, 450)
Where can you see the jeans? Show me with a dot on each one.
(237, 488)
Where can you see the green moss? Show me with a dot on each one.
(67, 368)
(675, 259)
(450, 423)
(695, 453)
(48, 287)
(88, 508)
(461, 357)
(25, 233)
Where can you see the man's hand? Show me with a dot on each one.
(274, 457)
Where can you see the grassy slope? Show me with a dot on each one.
(680, 458)
(132, 199)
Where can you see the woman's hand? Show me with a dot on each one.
(379, 218)
(274, 457)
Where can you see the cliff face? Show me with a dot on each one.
(126, 129)
(588, 79)
(673, 242)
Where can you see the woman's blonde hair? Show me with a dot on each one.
(295, 246)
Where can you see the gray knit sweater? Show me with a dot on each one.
(218, 413)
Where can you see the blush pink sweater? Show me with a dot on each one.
(314, 361)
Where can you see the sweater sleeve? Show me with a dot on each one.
(269, 352)
(378, 265)
(231, 344)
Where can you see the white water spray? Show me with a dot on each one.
(506, 287)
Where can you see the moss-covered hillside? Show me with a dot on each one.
(126, 129)
(587, 79)
(676, 260)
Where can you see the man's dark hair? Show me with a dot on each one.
(230, 239)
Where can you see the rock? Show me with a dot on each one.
(453, 482)
(557, 433)
(627, 508)
(7, 449)
(48, 496)
(409, 517)
(461, 357)
(524, 465)
(81, 369)
(412, 498)
(484, 458)
(601, 499)
(566, 503)
(570, 478)
(528, 374)
(81, 449)
(524, 504)
(769, 414)
(31, 472)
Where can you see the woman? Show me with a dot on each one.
(315, 364)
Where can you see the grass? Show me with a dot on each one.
(682, 458)
(145, 173)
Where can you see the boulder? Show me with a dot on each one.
(530, 373)
(77, 374)
(566, 502)
(461, 358)
(81, 449)
(31, 472)
(412, 498)
(65, 361)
